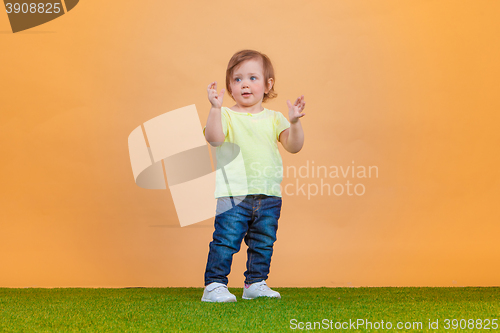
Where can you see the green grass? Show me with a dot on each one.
(180, 309)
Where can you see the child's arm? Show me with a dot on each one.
(292, 138)
(213, 131)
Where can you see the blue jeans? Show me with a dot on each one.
(254, 218)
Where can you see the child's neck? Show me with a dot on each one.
(247, 109)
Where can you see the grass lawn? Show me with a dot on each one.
(180, 310)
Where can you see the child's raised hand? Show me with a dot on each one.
(213, 97)
(294, 111)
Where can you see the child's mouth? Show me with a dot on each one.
(246, 94)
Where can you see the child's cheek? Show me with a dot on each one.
(258, 87)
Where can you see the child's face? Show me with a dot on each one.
(247, 83)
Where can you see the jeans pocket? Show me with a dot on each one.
(272, 206)
(223, 205)
(227, 203)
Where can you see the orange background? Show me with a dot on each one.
(408, 86)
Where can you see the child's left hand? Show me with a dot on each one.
(294, 111)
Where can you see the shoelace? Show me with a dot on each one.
(264, 287)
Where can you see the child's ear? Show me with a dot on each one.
(270, 84)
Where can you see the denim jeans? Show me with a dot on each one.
(253, 218)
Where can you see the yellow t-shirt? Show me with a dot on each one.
(249, 162)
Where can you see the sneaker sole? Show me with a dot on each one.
(278, 297)
(210, 301)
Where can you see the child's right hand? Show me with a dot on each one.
(213, 97)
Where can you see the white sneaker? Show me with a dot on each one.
(217, 292)
(259, 289)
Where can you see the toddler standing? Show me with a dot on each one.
(248, 199)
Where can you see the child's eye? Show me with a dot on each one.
(253, 78)
(237, 79)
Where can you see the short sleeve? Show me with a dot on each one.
(281, 124)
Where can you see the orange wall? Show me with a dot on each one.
(410, 87)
